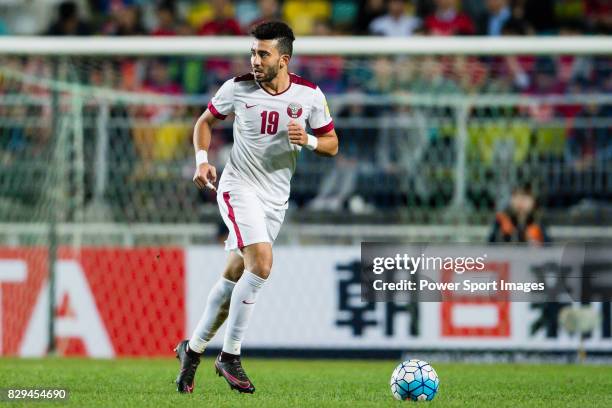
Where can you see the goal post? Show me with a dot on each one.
(346, 46)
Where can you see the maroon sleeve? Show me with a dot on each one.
(215, 112)
(324, 129)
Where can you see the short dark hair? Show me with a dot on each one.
(276, 30)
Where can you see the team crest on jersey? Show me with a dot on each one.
(294, 110)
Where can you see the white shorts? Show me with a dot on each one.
(247, 218)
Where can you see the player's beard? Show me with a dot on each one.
(269, 73)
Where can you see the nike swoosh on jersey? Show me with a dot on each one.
(248, 303)
(248, 107)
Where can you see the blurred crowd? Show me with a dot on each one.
(383, 164)
(339, 17)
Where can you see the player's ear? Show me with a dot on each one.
(284, 60)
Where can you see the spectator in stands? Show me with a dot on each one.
(538, 13)
(127, 21)
(518, 67)
(546, 79)
(68, 21)
(431, 79)
(13, 138)
(599, 16)
(369, 10)
(301, 15)
(590, 143)
(423, 8)
(476, 9)
(497, 14)
(160, 79)
(516, 25)
(404, 146)
(325, 71)
(573, 70)
(406, 70)
(383, 80)
(167, 22)
(269, 10)
(222, 22)
(354, 161)
(396, 23)
(520, 222)
(448, 20)
(471, 73)
(158, 135)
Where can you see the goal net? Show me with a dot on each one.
(96, 164)
(425, 131)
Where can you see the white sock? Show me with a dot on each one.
(241, 308)
(217, 307)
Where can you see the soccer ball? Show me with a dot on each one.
(415, 380)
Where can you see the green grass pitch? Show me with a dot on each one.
(308, 383)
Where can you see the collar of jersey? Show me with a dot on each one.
(276, 94)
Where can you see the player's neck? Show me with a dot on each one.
(278, 84)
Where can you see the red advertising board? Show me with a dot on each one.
(109, 301)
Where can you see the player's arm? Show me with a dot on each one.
(205, 173)
(219, 107)
(325, 144)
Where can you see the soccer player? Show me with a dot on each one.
(271, 107)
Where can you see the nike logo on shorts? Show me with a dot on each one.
(248, 107)
(248, 303)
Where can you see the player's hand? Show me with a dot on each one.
(205, 175)
(297, 134)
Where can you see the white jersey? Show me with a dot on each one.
(262, 155)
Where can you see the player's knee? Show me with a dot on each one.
(258, 259)
(262, 267)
